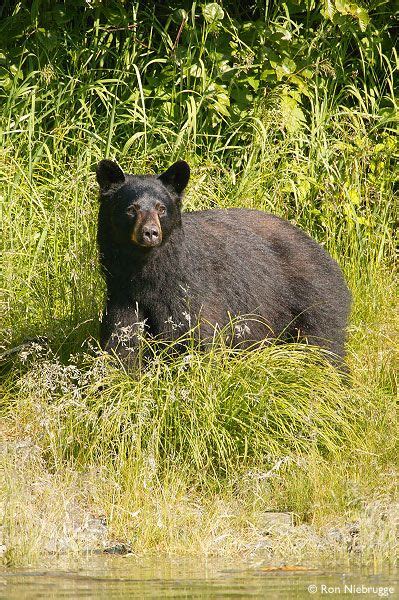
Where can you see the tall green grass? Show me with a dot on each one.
(191, 454)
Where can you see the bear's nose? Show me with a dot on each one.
(150, 233)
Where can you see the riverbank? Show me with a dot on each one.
(67, 514)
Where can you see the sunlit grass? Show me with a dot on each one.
(225, 432)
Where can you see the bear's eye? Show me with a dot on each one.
(131, 212)
(161, 210)
(133, 209)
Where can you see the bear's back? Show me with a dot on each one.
(249, 234)
(250, 261)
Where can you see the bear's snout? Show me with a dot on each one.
(147, 231)
(151, 234)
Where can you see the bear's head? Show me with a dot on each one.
(143, 210)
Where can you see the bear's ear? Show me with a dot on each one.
(108, 174)
(177, 176)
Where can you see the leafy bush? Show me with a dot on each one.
(199, 71)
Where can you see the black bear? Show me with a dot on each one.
(167, 271)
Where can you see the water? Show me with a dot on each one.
(116, 577)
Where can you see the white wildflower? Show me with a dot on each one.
(187, 316)
(241, 330)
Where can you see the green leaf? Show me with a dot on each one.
(291, 114)
(329, 9)
(301, 84)
(60, 15)
(212, 13)
(268, 74)
(195, 70)
(354, 10)
(308, 73)
(288, 65)
(354, 196)
(253, 82)
(363, 17)
(283, 68)
(242, 97)
(179, 15)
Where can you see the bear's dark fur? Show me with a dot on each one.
(166, 271)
